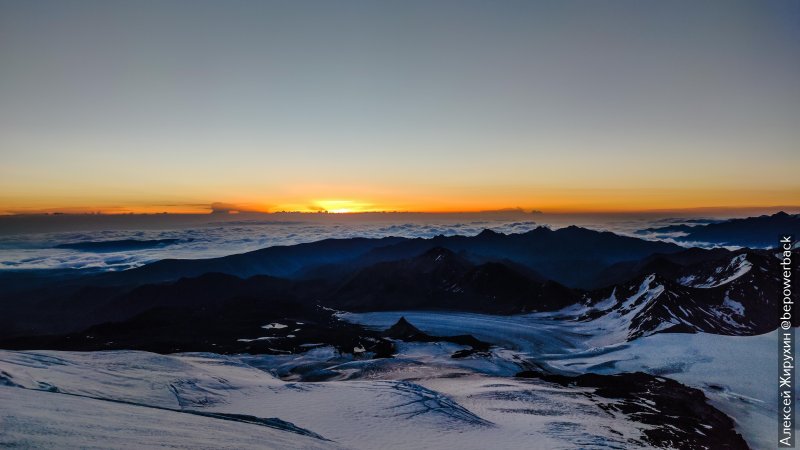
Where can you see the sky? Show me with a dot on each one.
(193, 106)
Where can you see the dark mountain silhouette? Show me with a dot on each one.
(669, 265)
(440, 279)
(758, 232)
(90, 305)
(572, 256)
(215, 312)
(436, 279)
(278, 261)
(716, 291)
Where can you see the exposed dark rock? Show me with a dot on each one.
(680, 416)
(405, 331)
(216, 313)
(441, 279)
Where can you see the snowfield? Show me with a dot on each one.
(422, 398)
(736, 384)
(730, 370)
(40, 419)
(224, 402)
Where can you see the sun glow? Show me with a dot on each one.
(341, 206)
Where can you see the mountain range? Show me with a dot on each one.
(654, 287)
(499, 326)
(757, 232)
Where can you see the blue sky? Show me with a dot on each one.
(398, 105)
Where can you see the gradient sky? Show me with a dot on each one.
(424, 106)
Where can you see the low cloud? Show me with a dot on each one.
(233, 208)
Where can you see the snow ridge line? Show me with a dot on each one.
(270, 422)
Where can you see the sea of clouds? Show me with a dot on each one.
(37, 250)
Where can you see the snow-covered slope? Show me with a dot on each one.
(732, 371)
(346, 412)
(42, 419)
(718, 274)
(734, 303)
(421, 399)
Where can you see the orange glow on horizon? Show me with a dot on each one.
(348, 199)
(567, 205)
(341, 207)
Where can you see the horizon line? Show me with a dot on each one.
(528, 211)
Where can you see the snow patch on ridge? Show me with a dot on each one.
(615, 326)
(738, 266)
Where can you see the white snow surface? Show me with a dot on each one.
(40, 419)
(422, 398)
(121, 395)
(274, 326)
(737, 373)
(733, 371)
